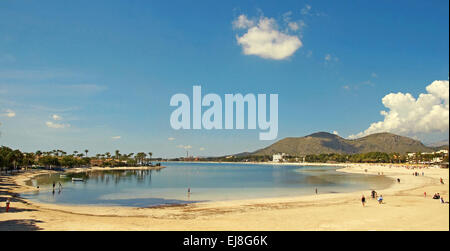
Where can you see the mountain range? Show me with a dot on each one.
(325, 143)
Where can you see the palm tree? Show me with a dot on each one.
(150, 154)
(15, 157)
(140, 157)
(117, 154)
(86, 151)
(28, 159)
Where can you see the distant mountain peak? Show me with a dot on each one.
(323, 135)
(326, 143)
(441, 143)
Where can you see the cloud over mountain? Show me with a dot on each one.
(407, 115)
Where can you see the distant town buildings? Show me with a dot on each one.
(278, 157)
(437, 157)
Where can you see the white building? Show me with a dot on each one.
(442, 152)
(437, 160)
(411, 155)
(278, 157)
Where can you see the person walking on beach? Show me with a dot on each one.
(8, 202)
(60, 186)
(380, 199)
(54, 184)
(363, 200)
(442, 181)
(374, 194)
(317, 191)
(425, 194)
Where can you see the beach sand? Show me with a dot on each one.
(405, 208)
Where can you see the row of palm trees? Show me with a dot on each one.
(140, 157)
(13, 159)
(120, 156)
(61, 153)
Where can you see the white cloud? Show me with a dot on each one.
(185, 147)
(9, 113)
(306, 10)
(374, 75)
(242, 22)
(171, 139)
(330, 58)
(56, 117)
(116, 137)
(407, 115)
(294, 26)
(50, 124)
(335, 133)
(264, 39)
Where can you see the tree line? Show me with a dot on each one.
(371, 157)
(11, 159)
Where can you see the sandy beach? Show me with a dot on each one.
(405, 208)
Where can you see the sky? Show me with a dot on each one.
(99, 75)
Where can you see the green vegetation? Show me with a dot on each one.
(372, 157)
(15, 159)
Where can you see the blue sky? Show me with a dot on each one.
(108, 69)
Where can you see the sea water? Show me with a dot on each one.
(206, 181)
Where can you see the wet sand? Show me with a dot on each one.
(405, 208)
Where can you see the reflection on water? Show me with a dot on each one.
(206, 182)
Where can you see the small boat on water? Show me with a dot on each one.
(77, 179)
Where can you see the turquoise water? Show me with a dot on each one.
(208, 182)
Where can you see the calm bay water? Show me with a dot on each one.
(208, 182)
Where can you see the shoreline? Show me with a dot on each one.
(197, 216)
(26, 188)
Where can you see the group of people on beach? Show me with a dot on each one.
(437, 196)
(8, 201)
(374, 195)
